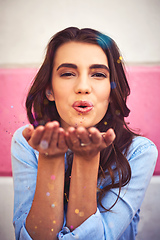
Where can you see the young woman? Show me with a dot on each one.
(79, 172)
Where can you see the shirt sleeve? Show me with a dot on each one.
(24, 168)
(120, 223)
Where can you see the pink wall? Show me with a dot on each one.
(144, 104)
(13, 89)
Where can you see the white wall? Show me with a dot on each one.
(26, 27)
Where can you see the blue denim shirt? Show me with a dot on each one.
(121, 223)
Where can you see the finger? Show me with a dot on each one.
(27, 132)
(95, 135)
(61, 139)
(36, 136)
(68, 140)
(83, 135)
(109, 137)
(72, 137)
(47, 134)
(54, 136)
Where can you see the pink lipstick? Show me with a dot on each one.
(82, 106)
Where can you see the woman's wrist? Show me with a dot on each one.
(51, 159)
(87, 159)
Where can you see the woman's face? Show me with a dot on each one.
(81, 84)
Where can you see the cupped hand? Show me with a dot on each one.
(48, 140)
(88, 142)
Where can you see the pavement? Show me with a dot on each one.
(149, 226)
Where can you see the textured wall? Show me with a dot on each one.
(26, 26)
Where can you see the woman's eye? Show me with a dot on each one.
(67, 74)
(99, 75)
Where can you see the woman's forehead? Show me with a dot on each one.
(77, 52)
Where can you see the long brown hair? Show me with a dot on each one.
(113, 163)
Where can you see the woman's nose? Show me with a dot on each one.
(83, 85)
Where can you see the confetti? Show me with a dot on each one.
(81, 214)
(76, 211)
(113, 85)
(44, 144)
(35, 123)
(53, 177)
(53, 205)
(66, 196)
(52, 230)
(48, 194)
(35, 227)
(117, 112)
(54, 221)
(120, 59)
(71, 227)
(105, 123)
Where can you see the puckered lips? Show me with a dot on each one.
(82, 106)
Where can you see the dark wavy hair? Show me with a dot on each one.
(113, 163)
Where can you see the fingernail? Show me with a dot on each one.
(44, 144)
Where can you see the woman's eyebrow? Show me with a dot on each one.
(99, 66)
(71, 65)
(68, 65)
